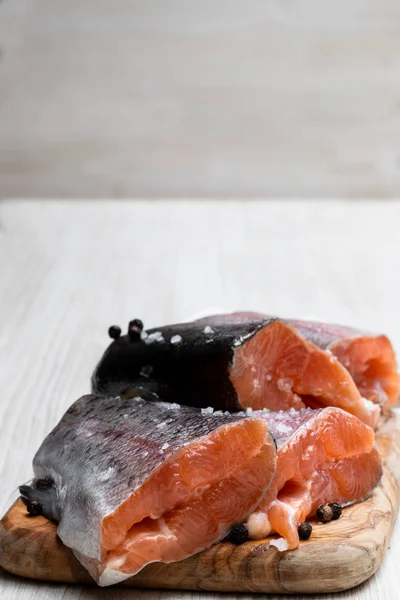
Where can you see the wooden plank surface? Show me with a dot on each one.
(165, 98)
(68, 270)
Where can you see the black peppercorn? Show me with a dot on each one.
(304, 530)
(238, 534)
(324, 513)
(114, 332)
(135, 328)
(34, 508)
(336, 510)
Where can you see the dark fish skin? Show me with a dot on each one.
(194, 371)
(101, 452)
(319, 333)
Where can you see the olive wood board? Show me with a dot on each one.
(338, 556)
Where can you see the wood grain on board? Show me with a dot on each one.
(339, 555)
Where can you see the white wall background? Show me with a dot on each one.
(201, 98)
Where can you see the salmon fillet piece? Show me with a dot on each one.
(369, 358)
(131, 481)
(323, 456)
(231, 363)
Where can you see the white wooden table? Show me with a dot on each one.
(68, 270)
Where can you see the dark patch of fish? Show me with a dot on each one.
(193, 371)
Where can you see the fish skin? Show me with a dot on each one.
(324, 334)
(318, 332)
(95, 459)
(194, 371)
(285, 424)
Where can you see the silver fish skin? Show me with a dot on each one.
(102, 451)
(284, 424)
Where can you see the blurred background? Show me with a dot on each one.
(169, 98)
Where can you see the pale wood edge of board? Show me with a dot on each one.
(338, 556)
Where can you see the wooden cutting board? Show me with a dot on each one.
(338, 556)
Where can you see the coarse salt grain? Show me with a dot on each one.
(156, 336)
(282, 428)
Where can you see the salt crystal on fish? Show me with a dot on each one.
(144, 335)
(207, 411)
(126, 415)
(174, 406)
(165, 446)
(282, 428)
(176, 339)
(161, 425)
(208, 330)
(156, 336)
(249, 411)
(105, 476)
(268, 377)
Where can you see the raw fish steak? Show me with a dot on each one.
(230, 363)
(369, 358)
(130, 482)
(324, 456)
